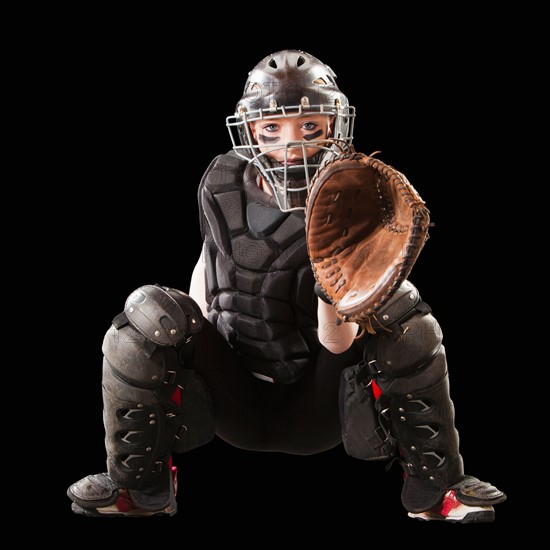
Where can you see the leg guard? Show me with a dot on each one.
(407, 360)
(422, 421)
(145, 353)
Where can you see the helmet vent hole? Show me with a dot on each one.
(272, 63)
(300, 61)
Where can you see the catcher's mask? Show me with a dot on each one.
(286, 84)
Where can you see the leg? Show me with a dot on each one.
(147, 387)
(300, 418)
(407, 361)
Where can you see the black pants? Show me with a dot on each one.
(300, 418)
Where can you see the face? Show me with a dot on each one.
(272, 135)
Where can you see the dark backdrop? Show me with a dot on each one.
(142, 119)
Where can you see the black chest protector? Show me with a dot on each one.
(259, 283)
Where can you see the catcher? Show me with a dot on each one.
(300, 330)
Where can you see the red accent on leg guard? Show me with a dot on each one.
(376, 390)
(176, 398)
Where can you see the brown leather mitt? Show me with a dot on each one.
(365, 227)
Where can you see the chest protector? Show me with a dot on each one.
(259, 283)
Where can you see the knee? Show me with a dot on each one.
(165, 316)
(407, 346)
(144, 345)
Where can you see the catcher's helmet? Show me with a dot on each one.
(285, 84)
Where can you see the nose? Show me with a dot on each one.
(290, 135)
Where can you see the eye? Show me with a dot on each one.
(271, 128)
(308, 126)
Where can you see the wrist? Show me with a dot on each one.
(320, 293)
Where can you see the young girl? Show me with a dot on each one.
(254, 353)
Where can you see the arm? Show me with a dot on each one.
(334, 334)
(197, 289)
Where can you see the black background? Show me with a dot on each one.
(141, 112)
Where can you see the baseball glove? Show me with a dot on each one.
(365, 227)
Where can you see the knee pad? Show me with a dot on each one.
(400, 306)
(409, 337)
(144, 345)
(165, 316)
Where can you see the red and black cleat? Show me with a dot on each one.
(469, 501)
(99, 496)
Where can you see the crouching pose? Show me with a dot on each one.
(255, 353)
